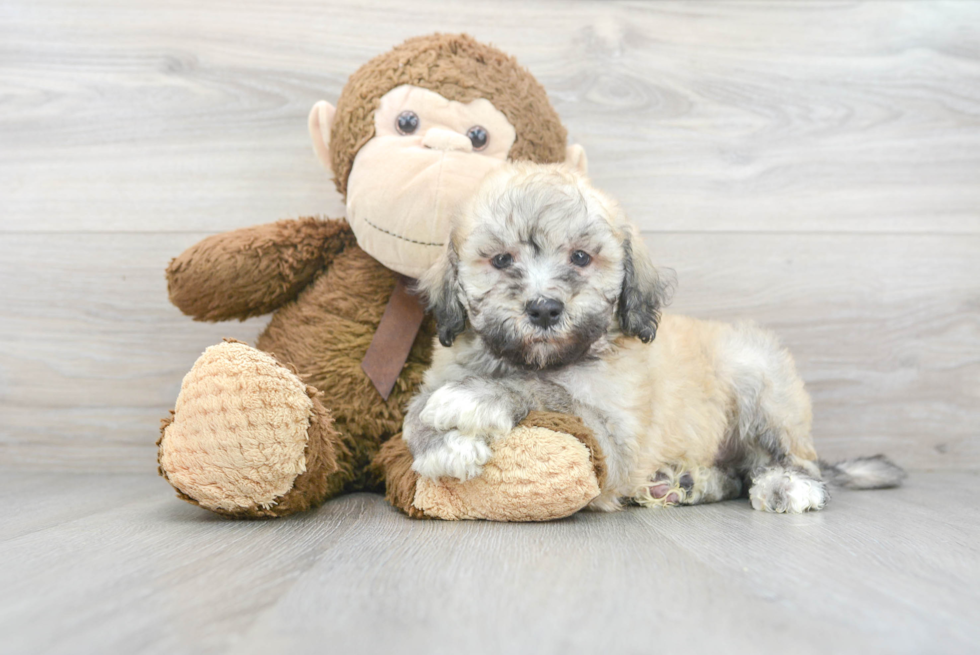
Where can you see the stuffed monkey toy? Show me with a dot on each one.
(315, 409)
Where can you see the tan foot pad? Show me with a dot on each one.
(535, 474)
(239, 431)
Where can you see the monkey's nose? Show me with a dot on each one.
(544, 312)
(440, 139)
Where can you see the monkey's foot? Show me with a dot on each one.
(548, 467)
(248, 438)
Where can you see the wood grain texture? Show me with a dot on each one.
(811, 166)
(818, 116)
(885, 330)
(147, 574)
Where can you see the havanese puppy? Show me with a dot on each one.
(546, 299)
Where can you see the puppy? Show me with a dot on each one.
(546, 299)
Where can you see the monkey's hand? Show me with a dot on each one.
(254, 270)
(549, 466)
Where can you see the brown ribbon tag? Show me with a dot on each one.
(394, 337)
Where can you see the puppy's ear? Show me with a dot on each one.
(440, 285)
(644, 293)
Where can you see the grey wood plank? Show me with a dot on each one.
(595, 583)
(91, 351)
(815, 116)
(885, 330)
(154, 575)
(850, 579)
(36, 500)
(854, 119)
(813, 166)
(898, 553)
(893, 571)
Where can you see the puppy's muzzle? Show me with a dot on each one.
(544, 312)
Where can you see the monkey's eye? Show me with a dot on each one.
(478, 137)
(581, 258)
(503, 260)
(407, 122)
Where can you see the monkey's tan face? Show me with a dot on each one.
(428, 156)
(540, 267)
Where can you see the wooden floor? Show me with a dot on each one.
(113, 564)
(813, 166)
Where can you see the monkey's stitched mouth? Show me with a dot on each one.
(398, 236)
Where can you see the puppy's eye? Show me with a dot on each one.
(502, 260)
(581, 258)
(407, 122)
(478, 137)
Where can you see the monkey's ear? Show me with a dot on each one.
(644, 292)
(440, 286)
(320, 122)
(576, 160)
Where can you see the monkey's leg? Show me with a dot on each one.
(549, 467)
(249, 439)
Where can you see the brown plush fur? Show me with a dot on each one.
(328, 467)
(164, 424)
(574, 426)
(395, 460)
(329, 464)
(254, 270)
(458, 68)
(324, 335)
(328, 295)
(534, 474)
(321, 334)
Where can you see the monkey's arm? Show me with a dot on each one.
(254, 270)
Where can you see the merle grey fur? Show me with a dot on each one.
(445, 304)
(504, 365)
(874, 472)
(503, 343)
(641, 299)
(513, 391)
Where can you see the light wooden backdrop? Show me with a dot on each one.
(813, 166)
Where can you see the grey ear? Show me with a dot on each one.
(441, 287)
(643, 295)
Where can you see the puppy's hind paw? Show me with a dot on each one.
(665, 489)
(786, 491)
(457, 456)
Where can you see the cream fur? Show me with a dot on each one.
(696, 410)
(672, 402)
(665, 405)
(240, 430)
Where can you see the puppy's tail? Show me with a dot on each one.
(876, 472)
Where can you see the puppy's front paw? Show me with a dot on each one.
(455, 407)
(458, 456)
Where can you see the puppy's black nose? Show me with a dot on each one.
(544, 312)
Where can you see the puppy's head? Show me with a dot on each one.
(546, 268)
